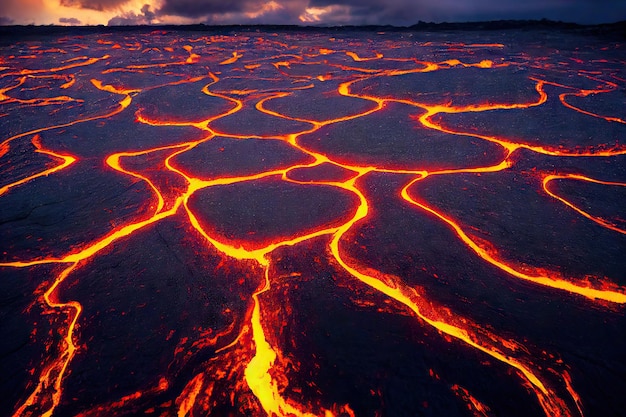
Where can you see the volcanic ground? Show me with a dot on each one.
(242, 222)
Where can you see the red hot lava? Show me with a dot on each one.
(300, 224)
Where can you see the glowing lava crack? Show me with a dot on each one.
(311, 223)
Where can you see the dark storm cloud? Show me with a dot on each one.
(395, 12)
(325, 12)
(411, 11)
(130, 18)
(197, 8)
(93, 4)
(236, 11)
(399, 12)
(127, 19)
(69, 20)
(147, 13)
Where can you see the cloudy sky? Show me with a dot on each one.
(320, 12)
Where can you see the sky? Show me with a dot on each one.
(307, 12)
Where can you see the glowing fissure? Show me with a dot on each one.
(259, 255)
(64, 67)
(257, 371)
(189, 395)
(407, 296)
(481, 410)
(101, 244)
(548, 281)
(67, 161)
(52, 375)
(57, 100)
(591, 217)
(123, 104)
(316, 66)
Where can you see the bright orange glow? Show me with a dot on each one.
(257, 370)
(615, 296)
(585, 93)
(232, 60)
(408, 297)
(244, 355)
(65, 67)
(596, 219)
(38, 101)
(359, 59)
(187, 399)
(480, 409)
(67, 161)
(193, 58)
(52, 375)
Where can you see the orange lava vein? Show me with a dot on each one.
(552, 405)
(545, 280)
(432, 110)
(52, 376)
(585, 93)
(204, 124)
(100, 244)
(232, 60)
(114, 406)
(595, 219)
(479, 409)
(426, 120)
(257, 375)
(40, 101)
(193, 58)
(3, 96)
(343, 89)
(568, 384)
(65, 67)
(357, 58)
(59, 366)
(67, 161)
(123, 104)
(114, 162)
(257, 371)
(239, 252)
(187, 398)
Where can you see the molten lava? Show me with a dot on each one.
(292, 224)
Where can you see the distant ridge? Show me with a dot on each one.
(23, 32)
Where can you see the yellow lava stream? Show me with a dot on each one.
(596, 219)
(257, 371)
(67, 161)
(545, 280)
(407, 296)
(52, 375)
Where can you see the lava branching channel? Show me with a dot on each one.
(313, 224)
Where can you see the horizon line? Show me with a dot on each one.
(321, 26)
